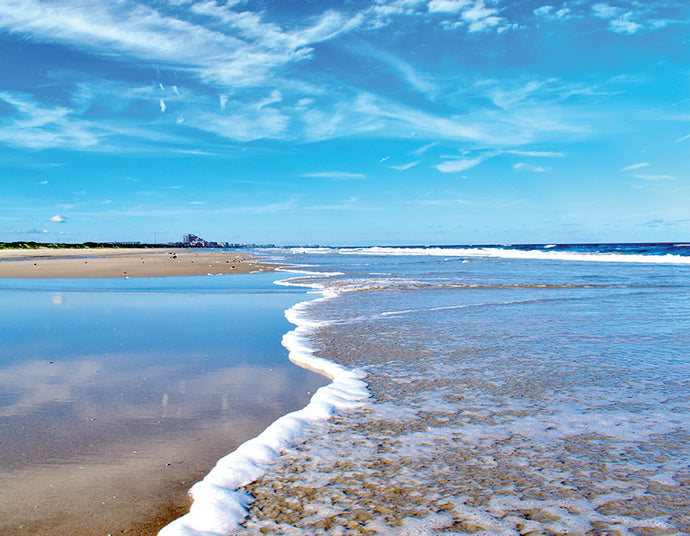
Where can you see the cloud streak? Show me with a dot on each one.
(334, 175)
(456, 166)
(241, 51)
(633, 167)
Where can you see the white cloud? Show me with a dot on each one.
(543, 10)
(37, 126)
(240, 49)
(448, 6)
(413, 77)
(632, 167)
(529, 167)
(419, 121)
(550, 13)
(424, 148)
(564, 13)
(275, 96)
(658, 24)
(473, 13)
(625, 25)
(683, 138)
(538, 154)
(506, 96)
(335, 175)
(456, 166)
(56, 219)
(347, 204)
(243, 51)
(248, 124)
(382, 12)
(404, 167)
(605, 11)
(634, 20)
(480, 17)
(655, 177)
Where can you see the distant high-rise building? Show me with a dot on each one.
(191, 239)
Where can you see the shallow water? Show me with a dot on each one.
(510, 396)
(116, 395)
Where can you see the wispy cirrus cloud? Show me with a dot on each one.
(424, 148)
(242, 51)
(251, 67)
(404, 167)
(523, 166)
(244, 126)
(537, 154)
(37, 126)
(633, 167)
(650, 177)
(334, 175)
(412, 76)
(396, 115)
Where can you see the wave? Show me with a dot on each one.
(219, 505)
(550, 254)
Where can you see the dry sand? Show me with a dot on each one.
(76, 263)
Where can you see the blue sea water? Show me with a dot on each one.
(514, 390)
(537, 389)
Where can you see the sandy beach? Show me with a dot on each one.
(76, 263)
(92, 470)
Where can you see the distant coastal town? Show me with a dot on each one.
(188, 241)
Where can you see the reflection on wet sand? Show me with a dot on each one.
(79, 457)
(116, 396)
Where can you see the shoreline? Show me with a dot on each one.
(45, 263)
(170, 488)
(219, 502)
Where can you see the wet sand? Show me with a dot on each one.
(128, 473)
(133, 487)
(77, 263)
(128, 477)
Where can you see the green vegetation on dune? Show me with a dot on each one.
(85, 245)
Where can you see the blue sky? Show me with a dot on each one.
(345, 123)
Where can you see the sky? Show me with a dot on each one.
(345, 123)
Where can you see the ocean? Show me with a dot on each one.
(538, 389)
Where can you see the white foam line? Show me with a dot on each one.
(451, 307)
(521, 254)
(220, 506)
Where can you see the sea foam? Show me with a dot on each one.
(220, 506)
(504, 253)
